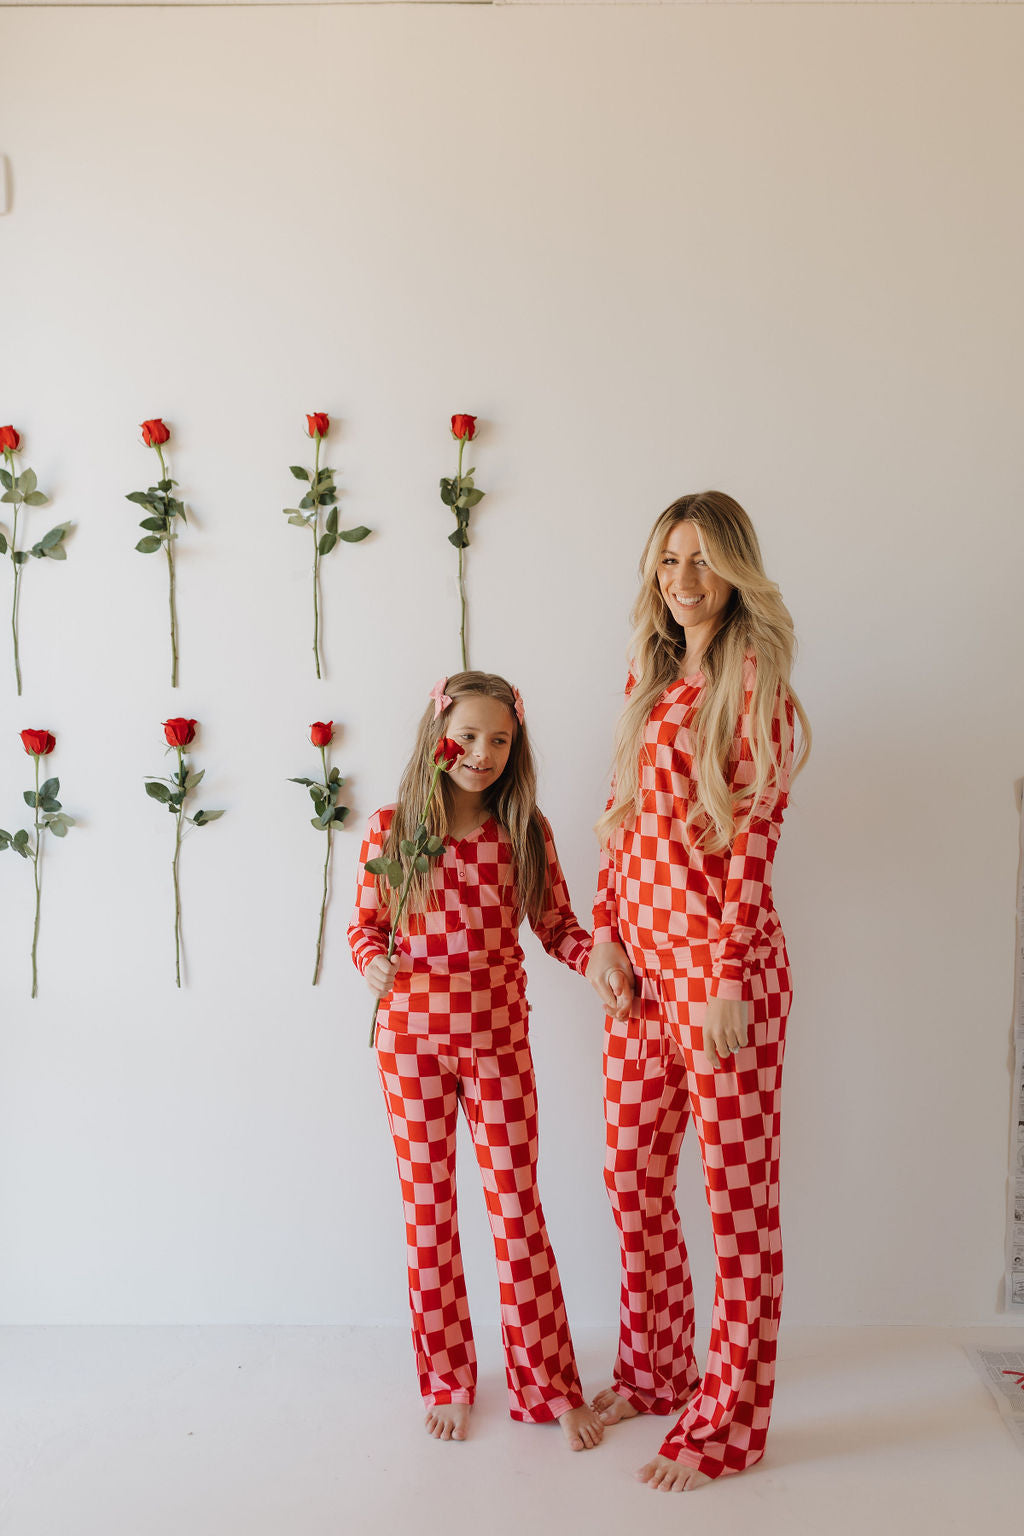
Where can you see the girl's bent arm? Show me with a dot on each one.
(370, 925)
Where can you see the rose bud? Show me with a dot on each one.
(179, 732)
(321, 733)
(154, 432)
(318, 424)
(9, 439)
(464, 427)
(448, 752)
(38, 743)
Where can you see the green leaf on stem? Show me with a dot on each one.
(332, 520)
(20, 839)
(307, 782)
(395, 873)
(15, 497)
(54, 536)
(327, 543)
(408, 847)
(471, 498)
(57, 827)
(143, 499)
(49, 805)
(29, 797)
(36, 499)
(335, 776)
(340, 813)
(149, 545)
(19, 556)
(421, 864)
(6, 479)
(49, 788)
(3, 544)
(377, 866)
(459, 538)
(203, 818)
(193, 777)
(166, 485)
(58, 552)
(354, 535)
(298, 471)
(5, 839)
(157, 791)
(298, 521)
(154, 524)
(448, 492)
(26, 481)
(434, 845)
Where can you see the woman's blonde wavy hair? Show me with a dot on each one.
(512, 800)
(756, 620)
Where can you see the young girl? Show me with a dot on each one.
(690, 961)
(453, 1030)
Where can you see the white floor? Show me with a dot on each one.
(316, 1432)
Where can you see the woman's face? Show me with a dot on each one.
(693, 594)
(484, 727)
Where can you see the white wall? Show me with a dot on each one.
(771, 249)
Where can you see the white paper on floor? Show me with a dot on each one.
(1002, 1371)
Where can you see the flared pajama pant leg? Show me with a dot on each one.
(421, 1093)
(736, 1112)
(646, 1113)
(500, 1102)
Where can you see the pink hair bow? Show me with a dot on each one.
(518, 706)
(440, 698)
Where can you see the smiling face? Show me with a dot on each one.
(484, 727)
(694, 595)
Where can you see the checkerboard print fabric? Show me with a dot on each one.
(657, 1079)
(668, 901)
(424, 1083)
(460, 963)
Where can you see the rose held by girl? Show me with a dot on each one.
(448, 752)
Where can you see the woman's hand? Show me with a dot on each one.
(380, 975)
(725, 1028)
(611, 976)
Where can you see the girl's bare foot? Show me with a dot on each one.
(611, 1408)
(448, 1421)
(671, 1476)
(582, 1428)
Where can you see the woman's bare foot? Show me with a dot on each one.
(671, 1476)
(611, 1408)
(448, 1421)
(582, 1428)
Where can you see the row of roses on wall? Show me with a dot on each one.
(173, 791)
(166, 516)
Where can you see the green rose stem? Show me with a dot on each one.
(462, 588)
(169, 547)
(315, 525)
(327, 865)
(35, 873)
(17, 590)
(174, 867)
(439, 768)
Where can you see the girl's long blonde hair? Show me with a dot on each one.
(512, 800)
(756, 620)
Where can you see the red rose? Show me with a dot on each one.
(464, 427)
(179, 732)
(321, 733)
(318, 424)
(448, 752)
(38, 743)
(154, 432)
(9, 439)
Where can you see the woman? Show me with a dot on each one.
(690, 961)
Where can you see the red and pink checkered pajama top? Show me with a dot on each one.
(673, 906)
(460, 965)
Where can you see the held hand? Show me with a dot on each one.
(380, 975)
(611, 976)
(725, 1029)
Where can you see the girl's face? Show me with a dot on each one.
(693, 593)
(484, 727)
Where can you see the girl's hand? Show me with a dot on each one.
(725, 1029)
(611, 976)
(380, 975)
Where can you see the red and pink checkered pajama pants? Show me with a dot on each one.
(656, 1078)
(424, 1081)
